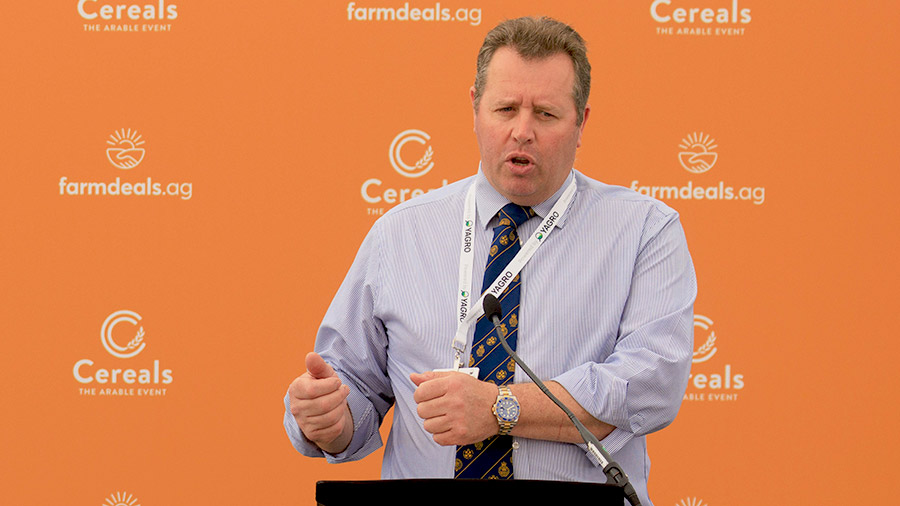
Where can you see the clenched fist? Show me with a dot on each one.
(318, 402)
(455, 406)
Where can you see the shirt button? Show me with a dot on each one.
(515, 445)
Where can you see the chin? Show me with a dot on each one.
(518, 189)
(521, 196)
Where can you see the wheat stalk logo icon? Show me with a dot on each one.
(423, 165)
(138, 338)
(426, 159)
(708, 348)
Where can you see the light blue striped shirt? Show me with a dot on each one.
(606, 311)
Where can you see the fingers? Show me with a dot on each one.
(455, 407)
(420, 377)
(320, 408)
(438, 401)
(428, 390)
(324, 433)
(317, 396)
(319, 380)
(318, 402)
(307, 387)
(437, 426)
(322, 419)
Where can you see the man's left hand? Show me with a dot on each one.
(455, 406)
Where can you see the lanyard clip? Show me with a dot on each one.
(458, 363)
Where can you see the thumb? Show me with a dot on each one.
(421, 377)
(317, 367)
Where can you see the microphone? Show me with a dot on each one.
(612, 469)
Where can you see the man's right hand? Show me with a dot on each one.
(319, 405)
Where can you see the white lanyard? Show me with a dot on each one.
(468, 313)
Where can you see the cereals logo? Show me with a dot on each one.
(691, 501)
(412, 156)
(683, 17)
(125, 151)
(134, 346)
(123, 336)
(126, 16)
(697, 153)
(424, 164)
(716, 382)
(121, 499)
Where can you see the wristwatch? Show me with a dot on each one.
(506, 409)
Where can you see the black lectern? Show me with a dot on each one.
(434, 492)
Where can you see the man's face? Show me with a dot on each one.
(525, 125)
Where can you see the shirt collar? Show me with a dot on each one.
(488, 201)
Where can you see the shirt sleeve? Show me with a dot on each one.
(354, 342)
(640, 386)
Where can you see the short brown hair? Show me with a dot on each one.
(537, 38)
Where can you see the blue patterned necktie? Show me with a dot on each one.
(492, 458)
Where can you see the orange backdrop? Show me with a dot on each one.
(185, 183)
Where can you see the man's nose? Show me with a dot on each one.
(523, 128)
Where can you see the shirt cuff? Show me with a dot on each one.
(298, 440)
(613, 442)
(365, 439)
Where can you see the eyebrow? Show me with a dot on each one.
(506, 101)
(541, 106)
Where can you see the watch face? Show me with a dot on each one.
(507, 409)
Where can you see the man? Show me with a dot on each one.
(602, 310)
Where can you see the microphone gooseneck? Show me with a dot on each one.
(613, 471)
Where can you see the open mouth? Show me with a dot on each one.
(520, 160)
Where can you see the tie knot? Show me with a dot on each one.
(515, 213)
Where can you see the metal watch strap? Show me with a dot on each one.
(505, 426)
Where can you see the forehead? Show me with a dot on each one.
(509, 76)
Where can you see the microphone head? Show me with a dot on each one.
(492, 307)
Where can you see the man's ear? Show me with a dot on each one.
(587, 112)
